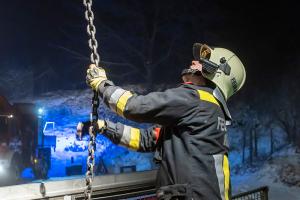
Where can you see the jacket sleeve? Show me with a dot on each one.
(163, 108)
(142, 140)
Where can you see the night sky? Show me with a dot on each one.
(48, 37)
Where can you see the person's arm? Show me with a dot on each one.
(164, 108)
(142, 140)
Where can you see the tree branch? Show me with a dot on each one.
(75, 54)
(123, 42)
(167, 55)
(118, 64)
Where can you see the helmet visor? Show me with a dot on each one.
(201, 51)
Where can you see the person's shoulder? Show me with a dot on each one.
(181, 87)
(198, 87)
(183, 91)
(185, 88)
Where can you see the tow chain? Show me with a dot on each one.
(95, 58)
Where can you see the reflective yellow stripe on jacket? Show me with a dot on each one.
(206, 96)
(131, 137)
(226, 177)
(122, 102)
(118, 100)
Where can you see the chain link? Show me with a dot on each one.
(95, 58)
(91, 30)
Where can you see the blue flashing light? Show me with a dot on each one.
(1, 169)
(40, 111)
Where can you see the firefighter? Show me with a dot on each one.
(190, 138)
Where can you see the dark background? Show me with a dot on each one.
(146, 42)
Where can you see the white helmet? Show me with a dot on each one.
(222, 67)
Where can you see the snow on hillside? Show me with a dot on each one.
(281, 174)
(66, 109)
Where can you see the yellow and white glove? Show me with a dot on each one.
(83, 128)
(95, 76)
(101, 125)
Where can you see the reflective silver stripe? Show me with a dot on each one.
(226, 141)
(125, 139)
(219, 171)
(113, 100)
(218, 94)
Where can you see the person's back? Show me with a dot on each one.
(189, 149)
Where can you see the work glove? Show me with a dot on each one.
(83, 128)
(95, 76)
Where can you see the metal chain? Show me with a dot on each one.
(95, 58)
(91, 30)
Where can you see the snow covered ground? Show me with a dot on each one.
(281, 174)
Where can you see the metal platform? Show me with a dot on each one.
(131, 186)
(118, 186)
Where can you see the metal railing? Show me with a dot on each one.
(257, 194)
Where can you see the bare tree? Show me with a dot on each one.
(251, 146)
(249, 123)
(142, 52)
(287, 118)
(271, 141)
(139, 40)
(286, 109)
(256, 135)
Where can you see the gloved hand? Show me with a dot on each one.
(94, 76)
(83, 128)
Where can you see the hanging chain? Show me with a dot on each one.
(95, 58)
(91, 30)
